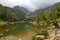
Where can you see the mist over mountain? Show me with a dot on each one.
(20, 13)
(30, 20)
(31, 5)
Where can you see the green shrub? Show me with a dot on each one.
(45, 33)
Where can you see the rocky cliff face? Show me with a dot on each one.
(54, 33)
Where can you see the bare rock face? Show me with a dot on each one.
(54, 34)
(57, 38)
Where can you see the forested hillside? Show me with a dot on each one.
(11, 14)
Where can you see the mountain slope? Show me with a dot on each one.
(22, 9)
(11, 14)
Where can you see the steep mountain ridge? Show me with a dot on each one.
(22, 9)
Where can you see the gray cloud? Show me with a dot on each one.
(32, 5)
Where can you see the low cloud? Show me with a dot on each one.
(31, 5)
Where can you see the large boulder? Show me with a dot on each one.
(40, 37)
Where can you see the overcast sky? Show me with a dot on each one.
(32, 5)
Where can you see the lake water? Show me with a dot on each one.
(22, 31)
